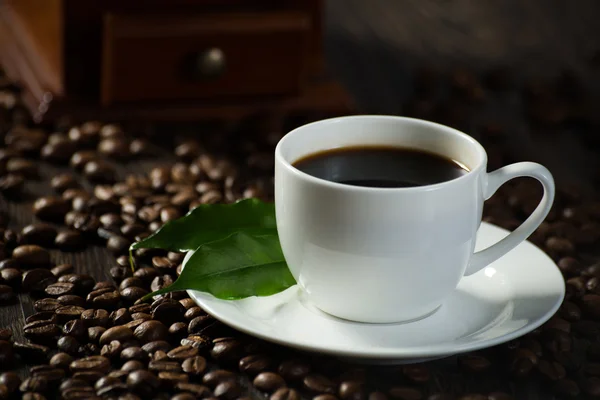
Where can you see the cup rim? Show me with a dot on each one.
(336, 185)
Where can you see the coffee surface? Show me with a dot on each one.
(380, 166)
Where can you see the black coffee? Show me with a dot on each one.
(380, 166)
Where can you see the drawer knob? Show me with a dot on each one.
(210, 63)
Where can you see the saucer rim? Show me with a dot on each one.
(446, 349)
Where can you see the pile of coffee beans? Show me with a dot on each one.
(87, 335)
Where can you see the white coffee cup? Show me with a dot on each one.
(389, 254)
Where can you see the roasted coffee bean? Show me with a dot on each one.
(521, 367)
(36, 280)
(143, 382)
(83, 283)
(140, 308)
(41, 316)
(133, 293)
(31, 256)
(164, 365)
(134, 324)
(194, 312)
(178, 331)
(168, 312)
(106, 298)
(152, 347)
(5, 333)
(8, 263)
(48, 372)
(407, 393)
(213, 378)
(104, 285)
(132, 365)
(161, 282)
(526, 353)
(591, 305)
(118, 245)
(7, 294)
(80, 158)
(187, 303)
(141, 316)
(62, 269)
(41, 331)
(182, 352)
(67, 313)
(198, 324)
(351, 390)
(570, 361)
(7, 353)
(567, 388)
(169, 213)
(40, 234)
(92, 363)
(98, 171)
(61, 360)
(557, 340)
(146, 274)
(285, 394)
(23, 167)
(12, 184)
(150, 331)
(163, 264)
(226, 349)
(69, 241)
(551, 370)
(119, 273)
(117, 148)
(59, 289)
(120, 316)
(51, 208)
(255, 364)
(12, 277)
(130, 231)
(134, 353)
(228, 390)
(88, 376)
(68, 344)
(131, 282)
(199, 342)
(319, 384)
(294, 370)
(171, 378)
(62, 182)
(119, 333)
(11, 380)
(93, 317)
(71, 300)
(31, 351)
(76, 328)
(268, 381)
(34, 384)
(111, 350)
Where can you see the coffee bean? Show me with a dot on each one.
(5, 333)
(40, 234)
(383, 396)
(116, 148)
(31, 351)
(591, 305)
(118, 245)
(41, 316)
(36, 280)
(67, 313)
(285, 394)
(142, 382)
(31, 256)
(7, 353)
(194, 312)
(161, 282)
(141, 316)
(133, 353)
(92, 363)
(226, 349)
(98, 171)
(164, 365)
(294, 370)
(150, 331)
(133, 293)
(187, 303)
(119, 333)
(106, 298)
(71, 300)
(474, 362)
(41, 331)
(213, 378)
(83, 283)
(34, 384)
(51, 374)
(168, 312)
(51, 208)
(59, 289)
(62, 269)
(566, 388)
(325, 397)
(182, 352)
(255, 364)
(199, 342)
(169, 213)
(21, 166)
(131, 281)
(146, 274)
(111, 350)
(7, 295)
(12, 277)
(228, 390)
(68, 344)
(93, 317)
(69, 241)
(61, 360)
(11, 380)
(268, 381)
(557, 340)
(318, 384)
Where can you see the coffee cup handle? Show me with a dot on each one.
(492, 181)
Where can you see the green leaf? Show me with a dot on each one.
(238, 266)
(209, 222)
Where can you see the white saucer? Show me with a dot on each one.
(509, 298)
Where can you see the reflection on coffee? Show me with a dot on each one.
(380, 166)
